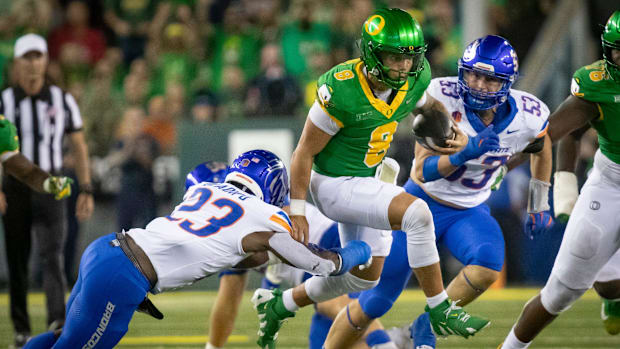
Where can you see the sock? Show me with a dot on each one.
(289, 302)
(512, 342)
(437, 299)
(44, 340)
(211, 346)
(379, 339)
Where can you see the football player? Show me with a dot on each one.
(346, 136)
(217, 226)
(324, 233)
(500, 122)
(589, 254)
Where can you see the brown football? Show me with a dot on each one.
(432, 129)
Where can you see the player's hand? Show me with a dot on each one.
(454, 145)
(538, 223)
(3, 204)
(60, 187)
(500, 178)
(300, 229)
(483, 142)
(84, 207)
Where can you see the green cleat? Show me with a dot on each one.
(610, 313)
(449, 319)
(271, 315)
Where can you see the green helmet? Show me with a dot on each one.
(391, 30)
(611, 40)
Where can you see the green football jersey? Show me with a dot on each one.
(9, 142)
(594, 85)
(367, 124)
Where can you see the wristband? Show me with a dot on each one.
(298, 207)
(430, 169)
(538, 196)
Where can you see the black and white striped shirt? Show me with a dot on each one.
(41, 122)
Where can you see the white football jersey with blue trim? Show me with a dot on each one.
(203, 234)
(518, 122)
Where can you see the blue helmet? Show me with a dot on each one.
(210, 171)
(490, 55)
(262, 173)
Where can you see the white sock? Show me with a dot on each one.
(437, 299)
(512, 342)
(211, 346)
(289, 302)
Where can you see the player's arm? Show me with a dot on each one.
(32, 175)
(566, 126)
(313, 139)
(426, 105)
(431, 165)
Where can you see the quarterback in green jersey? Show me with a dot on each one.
(590, 251)
(346, 136)
(18, 166)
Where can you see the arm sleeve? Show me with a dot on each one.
(322, 120)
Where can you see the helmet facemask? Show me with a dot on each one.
(372, 57)
(483, 100)
(610, 39)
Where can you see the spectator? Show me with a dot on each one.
(235, 44)
(134, 153)
(160, 125)
(175, 100)
(204, 107)
(444, 37)
(129, 20)
(75, 45)
(273, 92)
(232, 92)
(135, 91)
(40, 141)
(346, 23)
(303, 36)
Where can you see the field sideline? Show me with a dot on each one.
(186, 322)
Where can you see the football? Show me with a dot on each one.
(432, 129)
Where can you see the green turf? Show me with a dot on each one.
(185, 325)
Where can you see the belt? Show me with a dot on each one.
(137, 256)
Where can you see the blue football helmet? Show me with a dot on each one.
(262, 173)
(210, 171)
(490, 55)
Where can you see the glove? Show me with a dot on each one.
(565, 193)
(60, 187)
(483, 142)
(500, 177)
(538, 223)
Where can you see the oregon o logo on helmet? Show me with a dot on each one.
(374, 24)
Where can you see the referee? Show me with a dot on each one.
(43, 114)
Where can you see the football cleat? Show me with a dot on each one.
(449, 319)
(271, 315)
(400, 336)
(610, 313)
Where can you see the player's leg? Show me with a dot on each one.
(104, 301)
(590, 240)
(607, 285)
(226, 307)
(474, 237)
(353, 321)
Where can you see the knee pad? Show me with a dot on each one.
(321, 289)
(375, 304)
(418, 225)
(556, 297)
(586, 241)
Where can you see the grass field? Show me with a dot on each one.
(186, 322)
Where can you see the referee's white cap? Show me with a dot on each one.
(29, 42)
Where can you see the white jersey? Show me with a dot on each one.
(318, 225)
(203, 234)
(521, 120)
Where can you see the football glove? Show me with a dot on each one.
(60, 187)
(483, 142)
(538, 223)
(500, 177)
